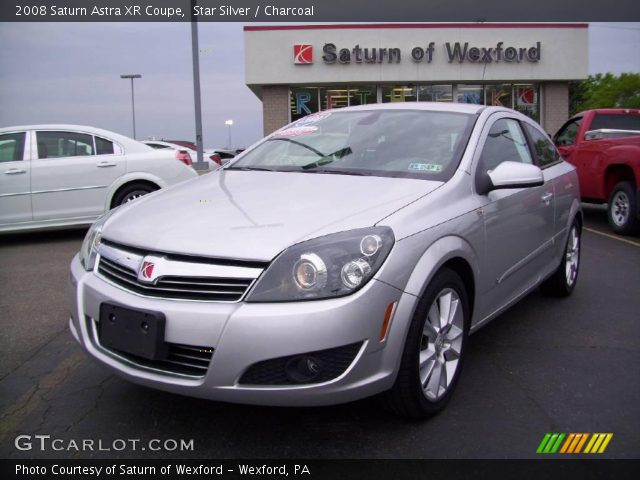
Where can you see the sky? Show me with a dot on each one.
(70, 73)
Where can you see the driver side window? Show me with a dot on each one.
(567, 134)
(505, 142)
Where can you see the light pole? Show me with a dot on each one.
(229, 123)
(133, 108)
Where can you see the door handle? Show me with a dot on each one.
(546, 198)
(105, 164)
(14, 171)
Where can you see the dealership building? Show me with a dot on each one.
(301, 69)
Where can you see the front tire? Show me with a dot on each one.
(563, 280)
(622, 209)
(434, 349)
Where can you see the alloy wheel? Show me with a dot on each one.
(572, 256)
(441, 344)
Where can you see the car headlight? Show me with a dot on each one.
(326, 267)
(91, 243)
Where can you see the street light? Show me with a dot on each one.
(228, 123)
(133, 108)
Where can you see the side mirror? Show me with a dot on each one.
(515, 175)
(565, 150)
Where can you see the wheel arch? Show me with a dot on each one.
(616, 173)
(125, 181)
(451, 252)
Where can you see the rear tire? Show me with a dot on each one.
(434, 349)
(564, 279)
(130, 192)
(623, 209)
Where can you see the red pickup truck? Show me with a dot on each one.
(604, 146)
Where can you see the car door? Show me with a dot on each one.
(518, 222)
(15, 178)
(72, 173)
(565, 186)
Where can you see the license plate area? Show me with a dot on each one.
(136, 332)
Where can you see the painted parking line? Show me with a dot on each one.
(615, 237)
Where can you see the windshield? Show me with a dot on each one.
(398, 143)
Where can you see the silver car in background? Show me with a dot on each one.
(346, 255)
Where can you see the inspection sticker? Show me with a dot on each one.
(295, 131)
(425, 167)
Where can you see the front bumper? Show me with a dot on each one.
(243, 334)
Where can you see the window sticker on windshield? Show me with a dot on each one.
(295, 131)
(425, 167)
(313, 118)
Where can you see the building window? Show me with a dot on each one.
(363, 95)
(524, 98)
(470, 94)
(527, 100)
(334, 97)
(499, 95)
(393, 94)
(435, 93)
(304, 100)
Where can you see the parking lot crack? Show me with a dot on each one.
(15, 416)
(94, 406)
(35, 352)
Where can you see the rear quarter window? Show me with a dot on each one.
(615, 121)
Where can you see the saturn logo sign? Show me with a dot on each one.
(146, 271)
(303, 54)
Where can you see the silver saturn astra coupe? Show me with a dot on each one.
(348, 254)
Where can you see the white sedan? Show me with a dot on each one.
(64, 175)
(213, 157)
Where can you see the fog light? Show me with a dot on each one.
(304, 369)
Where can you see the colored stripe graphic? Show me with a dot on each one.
(598, 443)
(567, 443)
(544, 441)
(573, 443)
(550, 443)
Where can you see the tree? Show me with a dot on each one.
(605, 91)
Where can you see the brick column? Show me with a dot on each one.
(275, 107)
(556, 105)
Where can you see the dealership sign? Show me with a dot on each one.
(453, 52)
(303, 54)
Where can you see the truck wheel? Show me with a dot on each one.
(433, 351)
(564, 279)
(623, 208)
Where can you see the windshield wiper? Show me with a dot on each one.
(249, 169)
(295, 142)
(326, 159)
(336, 172)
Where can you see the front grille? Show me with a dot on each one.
(176, 287)
(274, 371)
(181, 359)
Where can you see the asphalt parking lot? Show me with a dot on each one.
(546, 365)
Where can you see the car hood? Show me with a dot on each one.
(255, 215)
